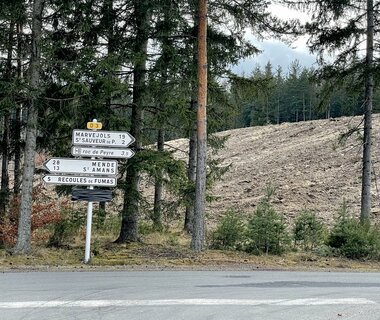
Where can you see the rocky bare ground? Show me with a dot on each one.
(305, 163)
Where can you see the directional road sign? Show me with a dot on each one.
(83, 166)
(80, 180)
(113, 153)
(102, 138)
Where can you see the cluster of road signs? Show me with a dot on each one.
(97, 170)
(100, 147)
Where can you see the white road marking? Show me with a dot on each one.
(184, 302)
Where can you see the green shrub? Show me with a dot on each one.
(308, 230)
(266, 231)
(66, 229)
(353, 239)
(229, 232)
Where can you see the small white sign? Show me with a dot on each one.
(113, 153)
(101, 138)
(80, 180)
(83, 166)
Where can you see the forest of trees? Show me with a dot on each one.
(132, 64)
(273, 96)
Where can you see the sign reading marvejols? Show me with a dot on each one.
(102, 138)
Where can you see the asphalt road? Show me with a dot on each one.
(197, 295)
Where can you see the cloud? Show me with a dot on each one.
(279, 54)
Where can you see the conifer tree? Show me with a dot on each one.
(23, 245)
(341, 27)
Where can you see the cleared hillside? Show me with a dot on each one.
(303, 161)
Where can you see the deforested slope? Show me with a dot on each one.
(303, 161)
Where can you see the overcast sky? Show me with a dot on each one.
(278, 53)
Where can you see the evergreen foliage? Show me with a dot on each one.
(272, 97)
(266, 231)
(353, 239)
(131, 65)
(229, 234)
(308, 230)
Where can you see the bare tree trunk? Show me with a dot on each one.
(23, 245)
(110, 18)
(130, 214)
(304, 107)
(18, 120)
(157, 207)
(191, 172)
(310, 105)
(328, 111)
(278, 110)
(192, 161)
(197, 243)
(4, 191)
(367, 166)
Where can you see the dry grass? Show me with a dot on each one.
(169, 250)
(301, 160)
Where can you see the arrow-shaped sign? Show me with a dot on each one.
(83, 166)
(113, 153)
(80, 180)
(102, 138)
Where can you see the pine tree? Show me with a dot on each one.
(338, 27)
(23, 245)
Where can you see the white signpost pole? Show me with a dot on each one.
(87, 250)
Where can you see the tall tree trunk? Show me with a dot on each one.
(278, 110)
(4, 191)
(23, 245)
(197, 243)
(191, 170)
(130, 214)
(192, 161)
(110, 17)
(367, 166)
(165, 61)
(328, 111)
(18, 120)
(310, 105)
(157, 207)
(304, 107)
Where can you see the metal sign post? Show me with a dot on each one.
(92, 172)
(87, 249)
(87, 252)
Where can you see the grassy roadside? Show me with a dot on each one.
(164, 251)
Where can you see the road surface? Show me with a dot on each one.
(194, 295)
